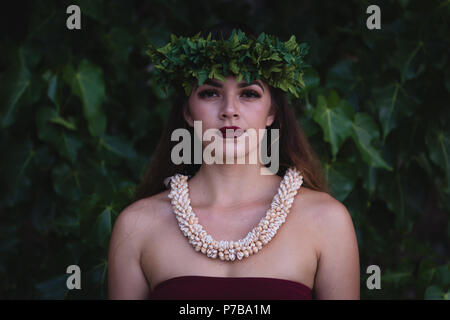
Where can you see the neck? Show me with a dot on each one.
(225, 185)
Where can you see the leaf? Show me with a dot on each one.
(392, 190)
(233, 67)
(443, 274)
(66, 183)
(17, 161)
(273, 56)
(342, 77)
(66, 143)
(405, 60)
(391, 105)
(202, 76)
(92, 9)
(396, 278)
(364, 130)
(96, 277)
(370, 179)
(118, 146)
(53, 91)
(336, 124)
(68, 124)
(87, 83)
(103, 227)
(16, 80)
(88, 214)
(311, 79)
(438, 145)
(66, 222)
(291, 43)
(54, 288)
(433, 293)
(342, 177)
(119, 42)
(426, 271)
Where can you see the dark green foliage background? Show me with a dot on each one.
(80, 117)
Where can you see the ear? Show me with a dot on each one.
(187, 115)
(270, 119)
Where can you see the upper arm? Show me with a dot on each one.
(126, 279)
(338, 271)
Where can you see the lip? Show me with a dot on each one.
(231, 131)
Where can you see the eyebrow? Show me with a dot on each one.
(240, 85)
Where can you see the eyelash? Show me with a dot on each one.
(204, 93)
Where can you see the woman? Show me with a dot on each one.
(170, 244)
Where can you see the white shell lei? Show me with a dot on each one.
(254, 241)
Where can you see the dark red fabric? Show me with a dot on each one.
(229, 288)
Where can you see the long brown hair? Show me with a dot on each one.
(294, 148)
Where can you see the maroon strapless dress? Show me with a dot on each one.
(230, 288)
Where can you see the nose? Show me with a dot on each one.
(229, 110)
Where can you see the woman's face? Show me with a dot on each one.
(233, 108)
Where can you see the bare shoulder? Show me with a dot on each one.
(333, 232)
(320, 208)
(326, 217)
(143, 215)
(126, 279)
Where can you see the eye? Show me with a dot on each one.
(251, 94)
(207, 93)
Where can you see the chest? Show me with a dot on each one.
(291, 254)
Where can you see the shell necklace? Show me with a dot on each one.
(254, 241)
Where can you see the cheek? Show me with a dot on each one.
(200, 110)
(205, 114)
(257, 117)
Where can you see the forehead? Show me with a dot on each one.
(232, 80)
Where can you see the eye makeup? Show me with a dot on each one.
(208, 93)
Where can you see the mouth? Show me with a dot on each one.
(231, 131)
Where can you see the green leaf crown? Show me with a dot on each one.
(186, 61)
